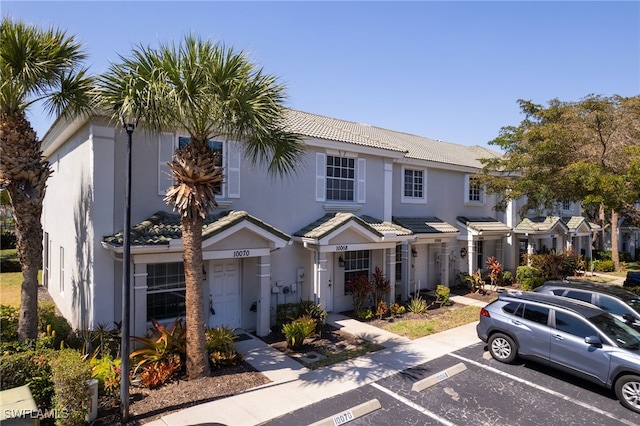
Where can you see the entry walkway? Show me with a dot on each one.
(294, 386)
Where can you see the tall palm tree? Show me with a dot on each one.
(211, 92)
(36, 65)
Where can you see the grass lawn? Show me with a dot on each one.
(415, 328)
(10, 283)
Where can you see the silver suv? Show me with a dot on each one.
(620, 303)
(567, 334)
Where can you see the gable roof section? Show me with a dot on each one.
(426, 225)
(540, 225)
(332, 222)
(415, 147)
(483, 225)
(162, 228)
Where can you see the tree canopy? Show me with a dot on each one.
(586, 151)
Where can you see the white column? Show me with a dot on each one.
(388, 190)
(139, 300)
(263, 321)
(391, 273)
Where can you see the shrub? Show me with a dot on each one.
(70, 377)
(397, 309)
(296, 331)
(30, 367)
(288, 312)
(365, 314)
(164, 343)
(442, 294)
(160, 356)
(507, 278)
(380, 286)
(221, 346)
(8, 323)
(495, 270)
(107, 372)
(418, 305)
(476, 281)
(360, 287)
(528, 284)
(382, 309)
(604, 265)
(53, 324)
(157, 373)
(527, 272)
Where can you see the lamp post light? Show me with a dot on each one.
(126, 283)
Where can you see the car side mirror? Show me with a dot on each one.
(629, 318)
(593, 340)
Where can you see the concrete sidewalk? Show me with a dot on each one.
(294, 386)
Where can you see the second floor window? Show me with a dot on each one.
(340, 178)
(474, 193)
(413, 185)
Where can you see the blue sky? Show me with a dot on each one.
(445, 70)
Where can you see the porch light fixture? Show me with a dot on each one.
(341, 262)
(204, 274)
(414, 252)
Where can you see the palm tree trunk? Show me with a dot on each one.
(197, 357)
(25, 174)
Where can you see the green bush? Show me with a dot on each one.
(365, 314)
(221, 347)
(296, 331)
(47, 316)
(107, 372)
(528, 284)
(442, 294)
(418, 305)
(527, 272)
(604, 265)
(288, 312)
(70, 377)
(30, 367)
(8, 323)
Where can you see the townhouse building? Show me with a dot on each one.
(363, 197)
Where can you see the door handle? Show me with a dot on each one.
(516, 322)
(558, 337)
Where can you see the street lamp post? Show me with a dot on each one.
(126, 283)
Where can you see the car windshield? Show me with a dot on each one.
(625, 336)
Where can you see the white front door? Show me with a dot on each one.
(224, 293)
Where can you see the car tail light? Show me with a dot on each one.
(484, 313)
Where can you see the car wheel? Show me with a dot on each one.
(502, 348)
(628, 392)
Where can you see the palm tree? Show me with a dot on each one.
(36, 65)
(211, 92)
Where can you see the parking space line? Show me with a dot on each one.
(544, 389)
(413, 405)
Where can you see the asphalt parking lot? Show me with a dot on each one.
(470, 388)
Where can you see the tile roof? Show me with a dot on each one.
(538, 224)
(483, 224)
(426, 225)
(162, 227)
(574, 222)
(417, 147)
(332, 221)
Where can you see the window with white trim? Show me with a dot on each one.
(413, 185)
(479, 249)
(340, 178)
(566, 206)
(166, 290)
(356, 264)
(473, 191)
(229, 158)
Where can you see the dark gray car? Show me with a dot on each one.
(566, 334)
(620, 303)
